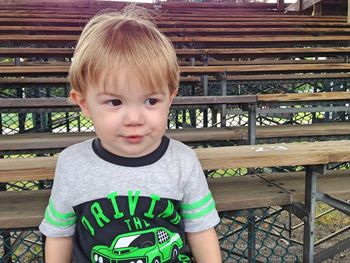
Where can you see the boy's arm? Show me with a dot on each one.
(58, 249)
(205, 246)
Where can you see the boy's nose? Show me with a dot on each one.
(133, 116)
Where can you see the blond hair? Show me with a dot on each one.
(124, 40)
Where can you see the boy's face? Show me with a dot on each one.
(129, 119)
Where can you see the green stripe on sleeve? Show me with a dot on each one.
(197, 204)
(54, 222)
(59, 215)
(201, 213)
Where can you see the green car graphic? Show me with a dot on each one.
(154, 245)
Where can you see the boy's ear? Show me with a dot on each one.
(172, 96)
(80, 99)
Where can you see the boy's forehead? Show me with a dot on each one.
(117, 79)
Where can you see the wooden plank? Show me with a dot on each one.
(62, 80)
(34, 103)
(317, 129)
(184, 17)
(26, 208)
(205, 100)
(295, 97)
(226, 52)
(72, 39)
(265, 61)
(345, 67)
(22, 209)
(348, 11)
(304, 76)
(27, 169)
(204, 30)
(39, 38)
(28, 52)
(259, 39)
(250, 24)
(42, 141)
(263, 51)
(31, 103)
(327, 67)
(288, 154)
(32, 141)
(335, 183)
(243, 192)
(185, 22)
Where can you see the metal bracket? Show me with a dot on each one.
(297, 209)
(319, 169)
(338, 204)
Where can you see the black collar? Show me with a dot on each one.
(130, 161)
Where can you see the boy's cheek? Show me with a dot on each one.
(86, 112)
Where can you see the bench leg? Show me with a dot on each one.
(310, 209)
(251, 239)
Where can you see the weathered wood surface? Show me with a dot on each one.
(190, 22)
(26, 208)
(226, 52)
(288, 154)
(253, 30)
(64, 80)
(32, 103)
(335, 183)
(306, 76)
(265, 155)
(46, 141)
(252, 69)
(294, 97)
(72, 39)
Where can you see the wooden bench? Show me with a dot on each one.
(195, 79)
(30, 142)
(184, 31)
(195, 70)
(194, 53)
(198, 41)
(26, 208)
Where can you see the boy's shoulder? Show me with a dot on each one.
(181, 149)
(77, 150)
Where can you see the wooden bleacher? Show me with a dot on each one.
(28, 209)
(42, 141)
(233, 44)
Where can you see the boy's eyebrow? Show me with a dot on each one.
(107, 93)
(104, 93)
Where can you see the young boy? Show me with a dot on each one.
(131, 194)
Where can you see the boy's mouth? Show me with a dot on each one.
(133, 138)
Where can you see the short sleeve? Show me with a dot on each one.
(198, 206)
(59, 219)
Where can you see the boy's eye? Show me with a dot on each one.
(151, 101)
(114, 103)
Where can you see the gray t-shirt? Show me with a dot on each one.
(129, 208)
